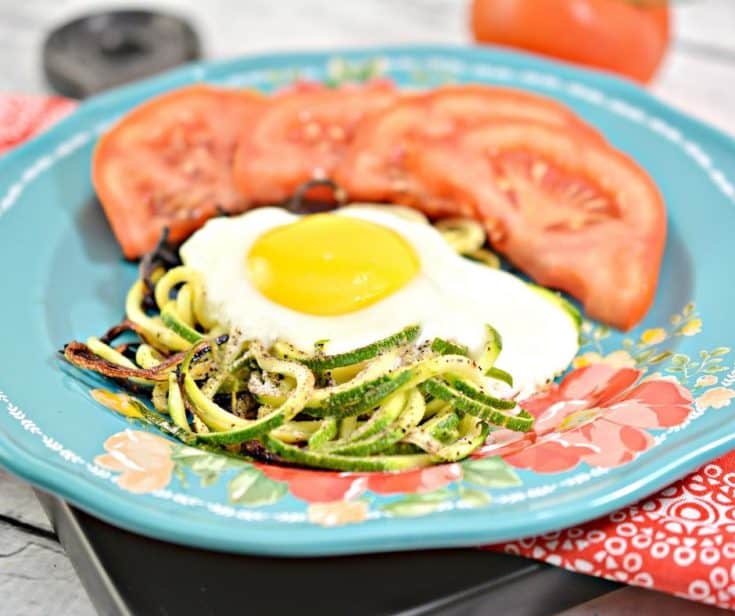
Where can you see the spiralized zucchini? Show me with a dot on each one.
(468, 238)
(388, 406)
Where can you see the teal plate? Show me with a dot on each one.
(636, 412)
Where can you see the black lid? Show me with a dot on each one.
(102, 50)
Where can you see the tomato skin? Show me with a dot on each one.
(573, 214)
(615, 35)
(167, 163)
(302, 135)
(373, 168)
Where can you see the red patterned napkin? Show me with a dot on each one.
(23, 116)
(680, 541)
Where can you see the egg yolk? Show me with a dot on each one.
(326, 264)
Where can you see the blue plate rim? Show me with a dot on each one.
(370, 538)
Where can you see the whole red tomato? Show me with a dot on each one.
(629, 37)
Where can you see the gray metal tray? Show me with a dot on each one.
(125, 573)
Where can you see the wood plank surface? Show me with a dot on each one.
(36, 577)
(706, 24)
(701, 85)
(18, 502)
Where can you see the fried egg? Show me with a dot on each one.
(359, 274)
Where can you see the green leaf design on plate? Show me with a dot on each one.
(660, 358)
(475, 498)
(679, 363)
(418, 504)
(642, 358)
(714, 369)
(206, 465)
(601, 332)
(341, 71)
(252, 488)
(719, 352)
(490, 473)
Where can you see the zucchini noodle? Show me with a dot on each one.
(468, 238)
(388, 406)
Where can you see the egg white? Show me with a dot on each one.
(451, 297)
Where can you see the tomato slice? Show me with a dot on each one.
(302, 135)
(374, 167)
(169, 163)
(574, 214)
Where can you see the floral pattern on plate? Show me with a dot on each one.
(606, 411)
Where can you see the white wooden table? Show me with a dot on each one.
(698, 77)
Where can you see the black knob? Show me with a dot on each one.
(102, 50)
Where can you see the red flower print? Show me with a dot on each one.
(316, 486)
(598, 414)
(411, 482)
(548, 457)
(327, 486)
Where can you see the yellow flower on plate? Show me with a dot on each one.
(338, 512)
(653, 336)
(691, 328)
(616, 359)
(716, 398)
(120, 403)
(706, 381)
